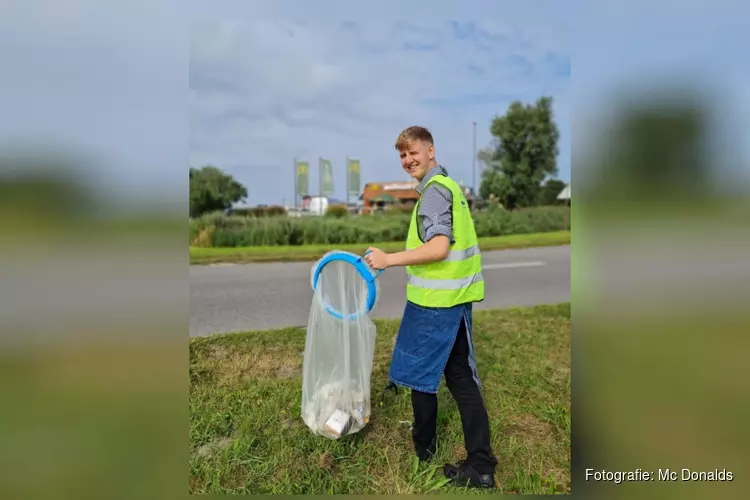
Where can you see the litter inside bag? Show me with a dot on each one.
(339, 351)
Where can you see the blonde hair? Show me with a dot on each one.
(412, 134)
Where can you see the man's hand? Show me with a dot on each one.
(377, 259)
(434, 250)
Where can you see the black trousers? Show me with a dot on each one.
(476, 426)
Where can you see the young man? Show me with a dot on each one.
(444, 268)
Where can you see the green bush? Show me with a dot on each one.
(193, 230)
(275, 211)
(399, 209)
(337, 211)
(235, 231)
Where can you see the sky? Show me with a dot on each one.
(267, 91)
(145, 89)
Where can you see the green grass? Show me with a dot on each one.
(247, 435)
(313, 252)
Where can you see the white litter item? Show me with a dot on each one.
(338, 423)
(340, 345)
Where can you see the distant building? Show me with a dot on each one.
(317, 205)
(564, 194)
(377, 195)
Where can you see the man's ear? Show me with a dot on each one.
(431, 152)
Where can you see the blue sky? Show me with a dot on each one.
(112, 80)
(265, 91)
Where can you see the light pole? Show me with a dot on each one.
(474, 160)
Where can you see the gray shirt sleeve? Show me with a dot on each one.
(436, 212)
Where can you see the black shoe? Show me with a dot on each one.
(426, 454)
(463, 474)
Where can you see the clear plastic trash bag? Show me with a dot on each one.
(339, 346)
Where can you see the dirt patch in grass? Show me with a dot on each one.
(230, 366)
(217, 352)
(325, 462)
(531, 430)
(288, 370)
(209, 449)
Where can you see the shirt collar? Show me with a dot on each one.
(437, 169)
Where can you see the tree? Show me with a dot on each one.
(211, 189)
(491, 182)
(526, 153)
(486, 156)
(550, 190)
(489, 177)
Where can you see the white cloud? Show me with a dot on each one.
(265, 92)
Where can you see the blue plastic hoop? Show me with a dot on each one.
(362, 268)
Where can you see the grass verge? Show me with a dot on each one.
(304, 253)
(247, 436)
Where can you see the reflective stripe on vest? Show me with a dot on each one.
(454, 284)
(455, 255)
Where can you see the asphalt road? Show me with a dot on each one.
(229, 298)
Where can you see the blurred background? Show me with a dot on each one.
(93, 211)
(662, 165)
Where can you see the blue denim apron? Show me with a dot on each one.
(424, 343)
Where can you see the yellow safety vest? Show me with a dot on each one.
(458, 278)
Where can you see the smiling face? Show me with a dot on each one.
(417, 157)
(417, 151)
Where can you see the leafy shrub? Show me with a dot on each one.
(275, 211)
(399, 209)
(337, 211)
